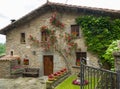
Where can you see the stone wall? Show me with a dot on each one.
(117, 67)
(75, 70)
(6, 64)
(4, 69)
(33, 28)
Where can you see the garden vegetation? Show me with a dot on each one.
(2, 49)
(99, 33)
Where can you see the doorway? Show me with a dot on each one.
(48, 64)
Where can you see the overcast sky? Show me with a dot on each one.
(14, 9)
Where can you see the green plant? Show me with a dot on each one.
(108, 56)
(45, 28)
(99, 33)
(54, 20)
(16, 69)
(67, 84)
(2, 49)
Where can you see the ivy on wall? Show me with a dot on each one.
(99, 33)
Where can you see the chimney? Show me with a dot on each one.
(12, 20)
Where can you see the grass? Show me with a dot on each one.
(67, 84)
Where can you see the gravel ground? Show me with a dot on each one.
(23, 83)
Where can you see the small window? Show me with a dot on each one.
(11, 53)
(22, 38)
(80, 56)
(75, 30)
(26, 61)
(44, 35)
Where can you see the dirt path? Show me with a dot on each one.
(23, 83)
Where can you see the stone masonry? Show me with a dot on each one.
(5, 66)
(117, 66)
(33, 28)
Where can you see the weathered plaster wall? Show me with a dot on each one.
(33, 28)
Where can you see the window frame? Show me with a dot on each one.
(45, 37)
(79, 56)
(23, 38)
(76, 29)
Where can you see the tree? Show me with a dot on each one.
(2, 49)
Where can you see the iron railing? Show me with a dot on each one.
(97, 78)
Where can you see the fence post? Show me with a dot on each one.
(81, 75)
(117, 67)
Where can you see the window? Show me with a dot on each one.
(80, 56)
(11, 53)
(26, 61)
(22, 40)
(44, 35)
(75, 30)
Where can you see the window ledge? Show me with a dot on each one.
(78, 37)
(23, 42)
(43, 41)
(75, 66)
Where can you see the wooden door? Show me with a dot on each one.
(48, 64)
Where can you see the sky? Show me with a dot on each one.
(15, 9)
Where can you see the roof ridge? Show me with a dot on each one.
(53, 5)
(80, 6)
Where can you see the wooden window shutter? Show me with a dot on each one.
(75, 30)
(44, 35)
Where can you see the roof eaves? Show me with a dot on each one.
(23, 19)
(64, 7)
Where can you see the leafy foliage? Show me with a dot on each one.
(108, 53)
(2, 48)
(99, 33)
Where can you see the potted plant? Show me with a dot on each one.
(51, 77)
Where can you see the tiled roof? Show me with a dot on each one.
(9, 58)
(61, 8)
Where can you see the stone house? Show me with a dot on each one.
(18, 32)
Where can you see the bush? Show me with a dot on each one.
(108, 56)
(2, 49)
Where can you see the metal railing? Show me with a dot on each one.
(96, 78)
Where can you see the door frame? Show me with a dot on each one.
(44, 63)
